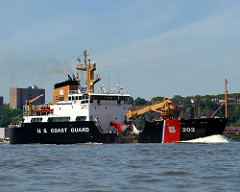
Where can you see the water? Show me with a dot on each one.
(121, 167)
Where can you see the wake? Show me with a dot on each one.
(209, 139)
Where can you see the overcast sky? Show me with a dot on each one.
(151, 47)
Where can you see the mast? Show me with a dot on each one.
(91, 79)
(226, 92)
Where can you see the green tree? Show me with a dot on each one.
(178, 98)
(139, 102)
(157, 99)
(9, 115)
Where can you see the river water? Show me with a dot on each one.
(210, 165)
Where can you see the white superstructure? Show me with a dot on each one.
(85, 105)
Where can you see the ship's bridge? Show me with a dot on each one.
(100, 98)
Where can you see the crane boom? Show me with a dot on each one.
(166, 108)
(29, 103)
(36, 98)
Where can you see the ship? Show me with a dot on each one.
(79, 114)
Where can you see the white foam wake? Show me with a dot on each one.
(91, 143)
(209, 139)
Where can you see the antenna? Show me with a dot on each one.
(118, 74)
(226, 92)
(108, 82)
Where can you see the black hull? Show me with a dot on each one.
(181, 130)
(59, 133)
(86, 131)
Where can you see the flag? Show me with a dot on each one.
(78, 59)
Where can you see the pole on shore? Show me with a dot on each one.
(226, 92)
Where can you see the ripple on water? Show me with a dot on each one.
(125, 167)
(175, 173)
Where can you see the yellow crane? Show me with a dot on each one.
(29, 103)
(166, 108)
(225, 102)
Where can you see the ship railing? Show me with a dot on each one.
(112, 91)
(100, 91)
(14, 126)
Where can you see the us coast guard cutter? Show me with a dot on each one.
(81, 115)
(77, 115)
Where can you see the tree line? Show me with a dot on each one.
(193, 107)
(189, 107)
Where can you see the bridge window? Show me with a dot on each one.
(81, 118)
(33, 120)
(58, 119)
(85, 97)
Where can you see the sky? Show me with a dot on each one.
(150, 47)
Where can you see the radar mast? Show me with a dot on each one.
(91, 79)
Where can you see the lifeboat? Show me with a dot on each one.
(43, 111)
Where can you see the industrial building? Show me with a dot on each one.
(18, 96)
(1, 105)
(1, 101)
(4, 133)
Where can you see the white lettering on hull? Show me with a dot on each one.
(64, 130)
(80, 130)
(59, 130)
(39, 131)
(42, 130)
(188, 129)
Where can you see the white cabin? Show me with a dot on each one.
(70, 103)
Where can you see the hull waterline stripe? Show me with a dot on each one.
(163, 131)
